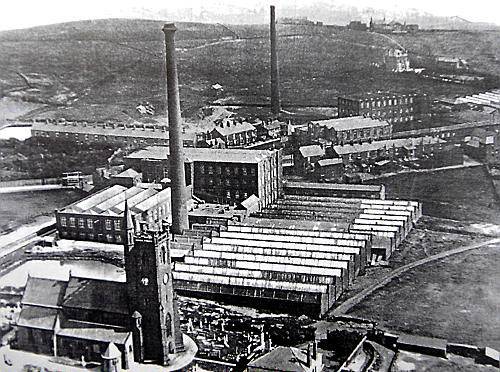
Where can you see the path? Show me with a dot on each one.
(351, 302)
(12, 189)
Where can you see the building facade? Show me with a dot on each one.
(217, 175)
(99, 216)
(349, 129)
(393, 108)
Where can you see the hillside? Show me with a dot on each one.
(103, 69)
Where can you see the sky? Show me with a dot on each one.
(26, 13)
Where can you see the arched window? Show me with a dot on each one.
(168, 324)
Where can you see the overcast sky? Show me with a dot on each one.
(26, 13)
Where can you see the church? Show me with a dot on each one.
(88, 318)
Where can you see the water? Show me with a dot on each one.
(20, 133)
(55, 269)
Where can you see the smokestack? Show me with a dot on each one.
(275, 80)
(176, 173)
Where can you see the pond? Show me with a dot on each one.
(59, 269)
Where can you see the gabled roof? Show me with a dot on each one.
(96, 294)
(129, 173)
(37, 317)
(328, 162)
(228, 128)
(311, 150)
(44, 292)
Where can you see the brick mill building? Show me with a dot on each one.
(349, 129)
(393, 108)
(217, 175)
(99, 217)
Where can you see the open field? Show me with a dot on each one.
(461, 194)
(457, 298)
(103, 69)
(22, 208)
(407, 361)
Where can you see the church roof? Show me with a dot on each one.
(44, 292)
(96, 294)
(37, 317)
(92, 331)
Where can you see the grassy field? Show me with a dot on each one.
(457, 298)
(21, 208)
(461, 194)
(103, 69)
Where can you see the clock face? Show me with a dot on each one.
(145, 281)
(165, 278)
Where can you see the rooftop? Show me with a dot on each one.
(312, 150)
(378, 145)
(101, 130)
(228, 127)
(111, 201)
(353, 122)
(205, 154)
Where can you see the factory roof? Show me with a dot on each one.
(205, 154)
(349, 123)
(100, 130)
(111, 201)
(311, 150)
(372, 96)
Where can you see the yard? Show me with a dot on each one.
(457, 298)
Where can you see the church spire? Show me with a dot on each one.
(128, 228)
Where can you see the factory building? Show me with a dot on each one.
(282, 267)
(349, 129)
(225, 176)
(393, 108)
(338, 190)
(388, 222)
(99, 216)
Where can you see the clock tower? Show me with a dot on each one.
(152, 302)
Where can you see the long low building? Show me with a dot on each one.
(388, 222)
(292, 269)
(334, 190)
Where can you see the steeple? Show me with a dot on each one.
(128, 229)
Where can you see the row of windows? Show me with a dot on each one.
(202, 181)
(91, 236)
(388, 102)
(232, 194)
(89, 223)
(228, 170)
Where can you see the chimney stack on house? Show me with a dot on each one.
(176, 173)
(275, 89)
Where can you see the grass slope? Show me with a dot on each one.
(111, 65)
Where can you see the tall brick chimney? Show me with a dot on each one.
(275, 80)
(176, 172)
